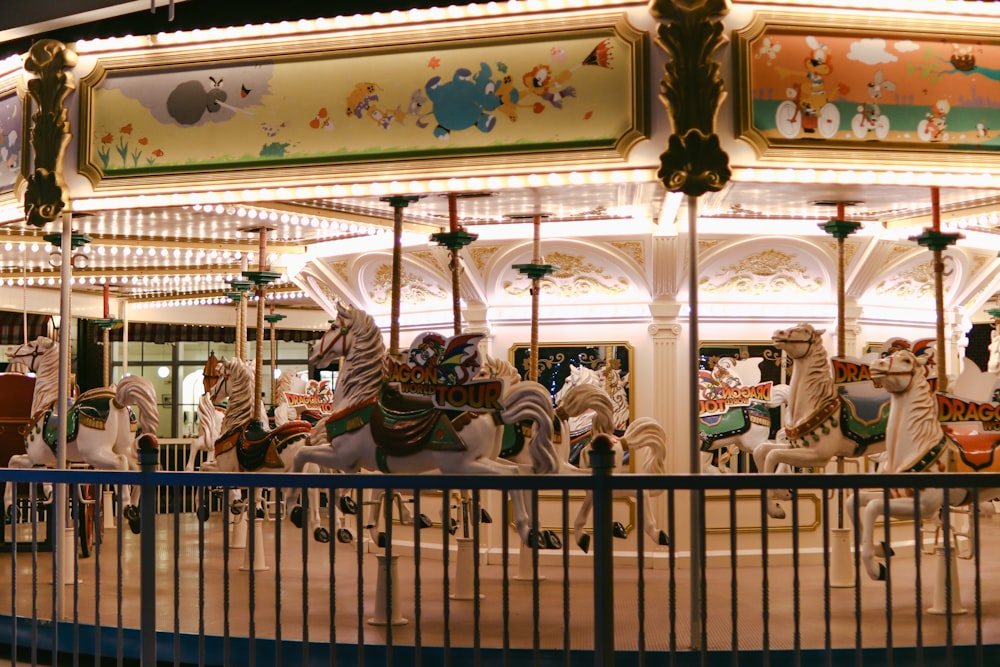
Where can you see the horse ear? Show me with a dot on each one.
(818, 332)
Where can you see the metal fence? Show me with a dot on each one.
(437, 574)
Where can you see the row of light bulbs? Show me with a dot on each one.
(265, 215)
(215, 300)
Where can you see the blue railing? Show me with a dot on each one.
(758, 591)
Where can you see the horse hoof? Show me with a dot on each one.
(775, 511)
(348, 505)
(344, 536)
(235, 509)
(881, 572)
(887, 550)
(202, 513)
(425, 521)
(381, 541)
(321, 535)
(618, 530)
(296, 516)
(663, 540)
(484, 517)
(584, 543)
(452, 526)
(131, 515)
(260, 513)
(552, 539)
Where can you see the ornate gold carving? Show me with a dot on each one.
(340, 268)
(430, 258)
(704, 245)
(917, 283)
(849, 250)
(573, 277)
(633, 249)
(413, 289)
(47, 195)
(690, 32)
(767, 272)
(481, 255)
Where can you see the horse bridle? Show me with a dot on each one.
(35, 353)
(912, 372)
(344, 330)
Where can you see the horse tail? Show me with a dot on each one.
(583, 397)
(529, 401)
(646, 433)
(139, 391)
(779, 395)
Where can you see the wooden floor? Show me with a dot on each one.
(212, 591)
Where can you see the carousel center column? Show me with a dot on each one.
(669, 360)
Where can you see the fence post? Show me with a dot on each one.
(602, 462)
(149, 459)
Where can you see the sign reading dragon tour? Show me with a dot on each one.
(446, 370)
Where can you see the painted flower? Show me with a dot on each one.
(157, 153)
(143, 141)
(107, 138)
(127, 129)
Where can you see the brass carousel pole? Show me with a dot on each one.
(107, 323)
(272, 319)
(47, 199)
(454, 240)
(536, 270)
(936, 240)
(261, 278)
(398, 204)
(694, 163)
(840, 566)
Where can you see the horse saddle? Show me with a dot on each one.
(976, 447)
(733, 422)
(864, 413)
(258, 448)
(404, 425)
(47, 424)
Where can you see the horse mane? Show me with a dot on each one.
(207, 425)
(812, 382)
(46, 368)
(363, 370)
(496, 368)
(239, 381)
(919, 429)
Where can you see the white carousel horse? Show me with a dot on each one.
(643, 433)
(344, 440)
(744, 428)
(100, 429)
(618, 391)
(915, 441)
(209, 428)
(291, 382)
(589, 398)
(247, 445)
(813, 416)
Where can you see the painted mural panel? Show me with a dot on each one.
(473, 97)
(910, 86)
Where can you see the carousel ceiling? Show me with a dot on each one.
(192, 253)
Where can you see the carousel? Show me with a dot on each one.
(709, 239)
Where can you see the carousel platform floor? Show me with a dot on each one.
(273, 606)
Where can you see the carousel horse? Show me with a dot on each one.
(819, 420)
(579, 427)
(359, 434)
(916, 441)
(209, 427)
(245, 444)
(284, 412)
(101, 429)
(743, 427)
(603, 415)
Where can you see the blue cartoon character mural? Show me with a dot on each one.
(468, 100)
